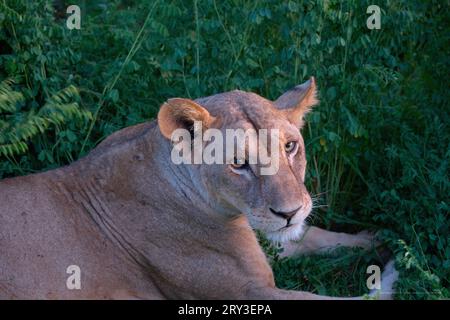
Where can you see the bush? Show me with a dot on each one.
(378, 145)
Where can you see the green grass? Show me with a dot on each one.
(378, 144)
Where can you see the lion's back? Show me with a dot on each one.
(124, 135)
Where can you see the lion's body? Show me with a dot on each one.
(139, 226)
(89, 214)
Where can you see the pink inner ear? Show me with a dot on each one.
(181, 113)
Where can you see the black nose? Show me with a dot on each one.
(286, 215)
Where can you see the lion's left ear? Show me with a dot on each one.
(298, 101)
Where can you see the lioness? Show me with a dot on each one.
(139, 226)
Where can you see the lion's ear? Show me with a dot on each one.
(298, 101)
(178, 113)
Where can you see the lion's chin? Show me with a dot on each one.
(291, 232)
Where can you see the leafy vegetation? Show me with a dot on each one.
(378, 145)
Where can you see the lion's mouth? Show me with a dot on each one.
(287, 226)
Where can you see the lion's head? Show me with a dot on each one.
(276, 204)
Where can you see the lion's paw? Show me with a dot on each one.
(367, 239)
(388, 279)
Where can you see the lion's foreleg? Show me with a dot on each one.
(388, 279)
(280, 294)
(316, 240)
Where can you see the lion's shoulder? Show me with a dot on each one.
(125, 135)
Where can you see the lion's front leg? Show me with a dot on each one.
(316, 240)
(388, 280)
(281, 294)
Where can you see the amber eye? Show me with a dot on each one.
(239, 163)
(290, 146)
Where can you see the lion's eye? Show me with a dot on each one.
(239, 163)
(290, 146)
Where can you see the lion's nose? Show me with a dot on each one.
(285, 214)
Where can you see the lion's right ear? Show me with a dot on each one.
(179, 113)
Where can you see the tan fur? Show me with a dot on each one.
(142, 227)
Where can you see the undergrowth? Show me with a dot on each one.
(378, 144)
